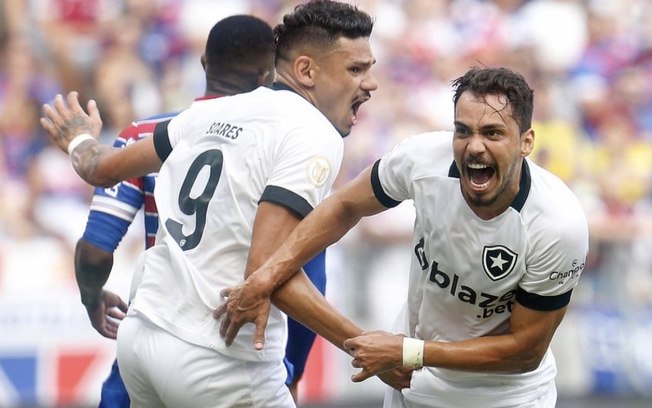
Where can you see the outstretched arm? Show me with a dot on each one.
(298, 297)
(520, 350)
(326, 224)
(301, 300)
(76, 132)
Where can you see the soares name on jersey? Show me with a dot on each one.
(224, 129)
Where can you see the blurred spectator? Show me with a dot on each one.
(23, 88)
(70, 30)
(57, 198)
(621, 164)
(124, 84)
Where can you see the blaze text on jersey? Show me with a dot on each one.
(489, 304)
(224, 129)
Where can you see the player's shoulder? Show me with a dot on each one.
(552, 202)
(292, 109)
(145, 126)
(429, 151)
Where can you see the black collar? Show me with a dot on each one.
(278, 86)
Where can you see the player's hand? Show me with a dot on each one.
(397, 378)
(242, 305)
(106, 313)
(374, 352)
(64, 120)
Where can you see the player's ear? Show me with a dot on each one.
(305, 68)
(527, 142)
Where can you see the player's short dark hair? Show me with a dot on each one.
(320, 24)
(239, 43)
(499, 81)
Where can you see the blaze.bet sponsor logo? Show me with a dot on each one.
(489, 304)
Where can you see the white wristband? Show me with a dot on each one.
(79, 139)
(413, 352)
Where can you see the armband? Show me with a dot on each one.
(413, 352)
(79, 139)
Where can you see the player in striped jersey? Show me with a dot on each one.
(113, 209)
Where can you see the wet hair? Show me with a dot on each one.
(241, 44)
(319, 24)
(499, 81)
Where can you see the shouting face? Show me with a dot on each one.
(489, 149)
(342, 81)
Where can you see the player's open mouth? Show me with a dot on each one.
(356, 105)
(480, 175)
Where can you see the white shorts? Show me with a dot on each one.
(160, 370)
(396, 399)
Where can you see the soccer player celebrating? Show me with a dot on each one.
(499, 245)
(236, 175)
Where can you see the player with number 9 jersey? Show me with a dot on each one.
(216, 169)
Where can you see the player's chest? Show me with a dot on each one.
(457, 249)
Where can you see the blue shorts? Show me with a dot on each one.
(114, 393)
(300, 338)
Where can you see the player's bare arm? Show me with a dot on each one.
(323, 226)
(519, 351)
(105, 309)
(273, 223)
(299, 298)
(75, 132)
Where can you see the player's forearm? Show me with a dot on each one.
(299, 298)
(322, 227)
(520, 350)
(87, 160)
(92, 270)
(496, 354)
(105, 166)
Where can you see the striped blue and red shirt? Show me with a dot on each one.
(113, 209)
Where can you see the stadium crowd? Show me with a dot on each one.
(589, 62)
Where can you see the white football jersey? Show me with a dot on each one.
(221, 157)
(466, 272)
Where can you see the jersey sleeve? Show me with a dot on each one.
(427, 154)
(557, 259)
(162, 142)
(304, 170)
(113, 209)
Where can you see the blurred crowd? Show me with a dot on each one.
(589, 62)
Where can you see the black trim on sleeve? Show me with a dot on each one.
(162, 140)
(381, 195)
(286, 198)
(543, 303)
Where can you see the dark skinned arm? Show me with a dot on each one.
(92, 269)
